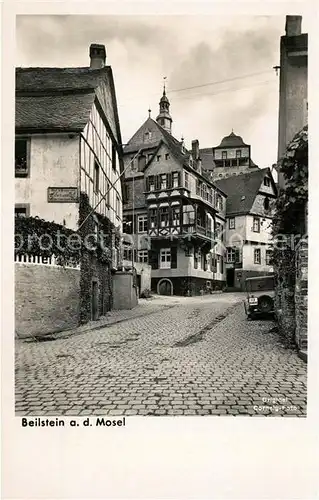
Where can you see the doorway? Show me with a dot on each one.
(230, 277)
(165, 287)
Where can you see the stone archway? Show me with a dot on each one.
(165, 287)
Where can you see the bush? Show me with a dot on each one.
(146, 294)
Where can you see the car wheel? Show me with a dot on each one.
(265, 305)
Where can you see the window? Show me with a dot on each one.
(148, 135)
(150, 183)
(175, 179)
(142, 256)
(96, 176)
(164, 217)
(163, 181)
(221, 265)
(141, 162)
(188, 215)
(219, 202)
(186, 180)
(257, 256)
(231, 254)
(238, 153)
(113, 157)
(118, 207)
(21, 210)
(256, 225)
(127, 254)
(176, 216)
(153, 217)
(210, 195)
(269, 254)
(231, 223)
(142, 223)
(165, 258)
(21, 157)
(266, 203)
(167, 156)
(158, 157)
(107, 197)
(224, 155)
(267, 182)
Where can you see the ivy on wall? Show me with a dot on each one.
(35, 236)
(290, 206)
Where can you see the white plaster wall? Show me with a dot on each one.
(54, 162)
(265, 230)
(248, 258)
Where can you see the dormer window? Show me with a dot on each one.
(147, 135)
(267, 182)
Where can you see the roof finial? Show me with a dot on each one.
(164, 85)
(232, 130)
(149, 112)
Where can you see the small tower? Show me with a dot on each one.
(164, 118)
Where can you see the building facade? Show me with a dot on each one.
(68, 163)
(293, 86)
(231, 157)
(248, 235)
(172, 210)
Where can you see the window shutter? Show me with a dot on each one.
(179, 178)
(153, 258)
(174, 257)
(237, 255)
(147, 184)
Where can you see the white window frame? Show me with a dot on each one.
(142, 222)
(142, 256)
(163, 181)
(186, 180)
(269, 253)
(256, 225)
(231, 255)
(165, 258)
(175, 179)
(231, 223)
(257, 251)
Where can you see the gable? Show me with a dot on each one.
(105, 94)
(161, 163)
(140, 139)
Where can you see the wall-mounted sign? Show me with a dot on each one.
(63, 195)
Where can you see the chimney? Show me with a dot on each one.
(293, 25)
(195, 150)
(97, 56)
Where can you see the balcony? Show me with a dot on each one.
(196, 230)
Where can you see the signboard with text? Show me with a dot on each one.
(63, 195)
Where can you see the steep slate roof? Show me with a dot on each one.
(232, 140)
(58, 98)
(206, 155)
(238, 186)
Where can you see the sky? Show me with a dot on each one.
(229, 60)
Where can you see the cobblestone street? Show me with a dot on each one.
(196, 356)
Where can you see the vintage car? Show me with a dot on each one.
(260, 296)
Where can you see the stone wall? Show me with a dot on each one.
(184, 284)
(285, 275)
(301, 295)
(46, 299)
